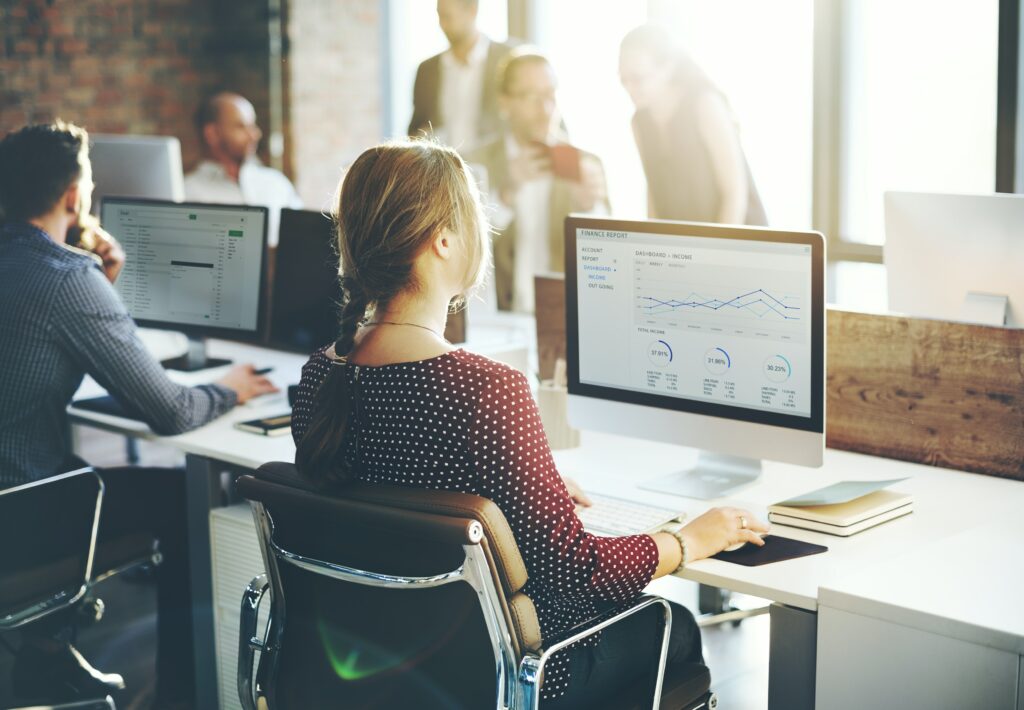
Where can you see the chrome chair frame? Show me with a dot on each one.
(62, 600)
(106, 703)
(154, 559)
(516, 689)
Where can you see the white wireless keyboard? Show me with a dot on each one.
(615, 516)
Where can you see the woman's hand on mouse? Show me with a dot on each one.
(720, 528)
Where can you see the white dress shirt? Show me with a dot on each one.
(462, 88)
(257, 185)
(532, 214)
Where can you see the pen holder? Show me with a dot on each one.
(553, 402)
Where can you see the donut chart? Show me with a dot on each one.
(660, 353)
(717, 361)
(777, 368)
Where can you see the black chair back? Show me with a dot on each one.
(348, 629)
(47, 537)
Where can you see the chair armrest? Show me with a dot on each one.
(532, 665)
(248, 642)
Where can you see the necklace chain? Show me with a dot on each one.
(414, 325)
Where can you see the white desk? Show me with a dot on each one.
(954, 604)
(946, 502)
(946, 571)
(950, 506)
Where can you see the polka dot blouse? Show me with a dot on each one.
(464, 423)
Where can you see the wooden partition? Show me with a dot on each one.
(929, 391)
(549, 305)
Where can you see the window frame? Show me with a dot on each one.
(830, 41)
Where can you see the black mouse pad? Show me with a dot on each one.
(776, 549)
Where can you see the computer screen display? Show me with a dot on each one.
(697, 318)
(306, 292)
(191, 266)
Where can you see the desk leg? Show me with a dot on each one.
(792, 660)
(202, 485)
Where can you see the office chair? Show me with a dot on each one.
(385, 596)
(52, 524)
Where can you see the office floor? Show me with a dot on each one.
(124, 641)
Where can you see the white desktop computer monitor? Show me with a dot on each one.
(700, 335)
(192, 267)
(956, 257)
(136, 166)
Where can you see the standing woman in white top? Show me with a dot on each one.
(230, 172)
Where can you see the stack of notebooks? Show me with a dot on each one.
(844, 508)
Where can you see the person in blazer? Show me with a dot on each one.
(535, 180)
(455, 95)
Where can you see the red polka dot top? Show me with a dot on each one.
(462, 422)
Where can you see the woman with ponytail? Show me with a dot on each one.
(391, 401)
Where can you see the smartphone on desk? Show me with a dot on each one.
(267, 426)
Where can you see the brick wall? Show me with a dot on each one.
(334, 90)
(142, 66)
(127, 66)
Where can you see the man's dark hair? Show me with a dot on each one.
(208, 112)
(37, 165)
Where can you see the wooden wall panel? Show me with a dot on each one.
(549, 305)
(929, 391)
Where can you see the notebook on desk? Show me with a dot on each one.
(847, 518)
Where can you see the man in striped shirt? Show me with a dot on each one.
(61, 319)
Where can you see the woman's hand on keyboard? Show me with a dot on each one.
(576, 493)
(720, 528)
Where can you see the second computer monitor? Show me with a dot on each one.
(956, 257)
(191, 267)
(136, 166)
(306, 293)
(701, 335)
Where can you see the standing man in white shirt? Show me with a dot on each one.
(230, 172)
(455, 94)
(535, 180)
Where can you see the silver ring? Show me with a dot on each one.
(743, 523)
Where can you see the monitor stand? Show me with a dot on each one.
(195, 358)
(985, 308)
(713, 476)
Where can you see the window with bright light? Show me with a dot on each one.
(596, 109)
(415, 36)
(761, 56)
(919, 104)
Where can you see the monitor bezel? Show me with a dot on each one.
(814, 423)
(256, 335)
